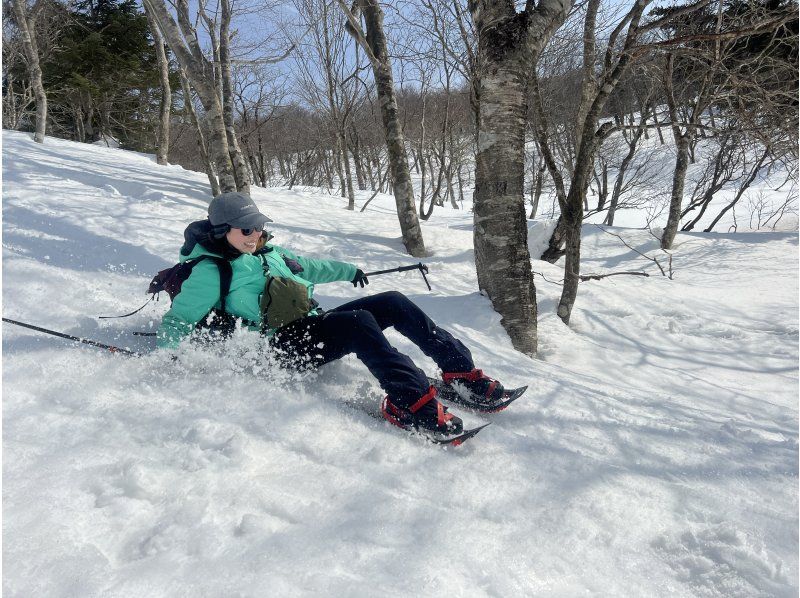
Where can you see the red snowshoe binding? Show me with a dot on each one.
(479, 387)
(474, 390)
(425, 415)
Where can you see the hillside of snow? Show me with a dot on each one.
(654, 454)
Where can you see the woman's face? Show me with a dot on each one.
(242, 242)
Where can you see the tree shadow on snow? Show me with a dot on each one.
(59, 243)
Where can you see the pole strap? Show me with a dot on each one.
(130, 314)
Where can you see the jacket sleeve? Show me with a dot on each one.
(199, 294)
(319, 271)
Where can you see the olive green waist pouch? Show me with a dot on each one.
(283, 301)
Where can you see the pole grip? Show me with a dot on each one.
(423, 269)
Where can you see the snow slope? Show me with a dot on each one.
(655, 454)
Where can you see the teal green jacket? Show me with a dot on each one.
(200, 292)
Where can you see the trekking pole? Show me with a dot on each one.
(77, 339)
(423, 269)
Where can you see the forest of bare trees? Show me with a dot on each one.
(524, 109)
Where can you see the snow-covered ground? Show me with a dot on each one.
(655, 453)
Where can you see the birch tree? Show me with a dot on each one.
(26, 22)
(509, 44)
(162, 143)
(329, 76)
(373, 42)
(713, 51)
(185, 45)
(595, 92)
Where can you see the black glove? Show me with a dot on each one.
(360, 278)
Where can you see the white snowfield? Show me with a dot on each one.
(654, 454)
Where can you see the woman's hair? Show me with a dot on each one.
(219, 231)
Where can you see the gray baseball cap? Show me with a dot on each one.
(237, 210)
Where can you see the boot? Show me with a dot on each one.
(480, 389)
(426, 414)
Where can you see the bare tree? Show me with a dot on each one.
(26, 22)
(596, 89)
(196, 124)
(258, 93)
(162, 145)
(373, 42)
(708, 66)
(17, 91)
(509, 44)
(183, 41)
(241, 168)
(328, 71)
(744, 186)
(683, 139)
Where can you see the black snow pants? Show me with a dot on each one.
(357, 327)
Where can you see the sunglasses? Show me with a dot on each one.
(249, 231)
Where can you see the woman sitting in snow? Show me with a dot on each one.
(271, 290)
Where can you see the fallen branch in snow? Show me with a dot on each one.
(585, 277)
(543, 277)
(644, 255)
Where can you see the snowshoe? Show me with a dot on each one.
(431, 430)
(476, 391)
(391, 412)
(427, 414)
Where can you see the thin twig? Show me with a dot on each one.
(645, 256)
(547, 279)
(585, 277)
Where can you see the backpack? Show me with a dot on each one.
(218, 322)
(171, 279)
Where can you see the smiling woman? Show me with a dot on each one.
(244, 239)
(271, 290)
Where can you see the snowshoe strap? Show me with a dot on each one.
(473, 376)
(426, 398)
(441, 416)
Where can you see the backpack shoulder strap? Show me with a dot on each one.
(225, 276)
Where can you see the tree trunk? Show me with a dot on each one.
(681, 160)
(162, 143)
(327, 170)
(241, 171)
(348, 174)
(676, 197)
(27, 31)
(615, 194)
(395, 141)
(509, 44)
(536, 189)
(375, 40)
(201, 142)
(200, 73)
(572, 213)
(420, 165)
(337, 160)
(357, 158)
(80, 130)
(502, 259)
